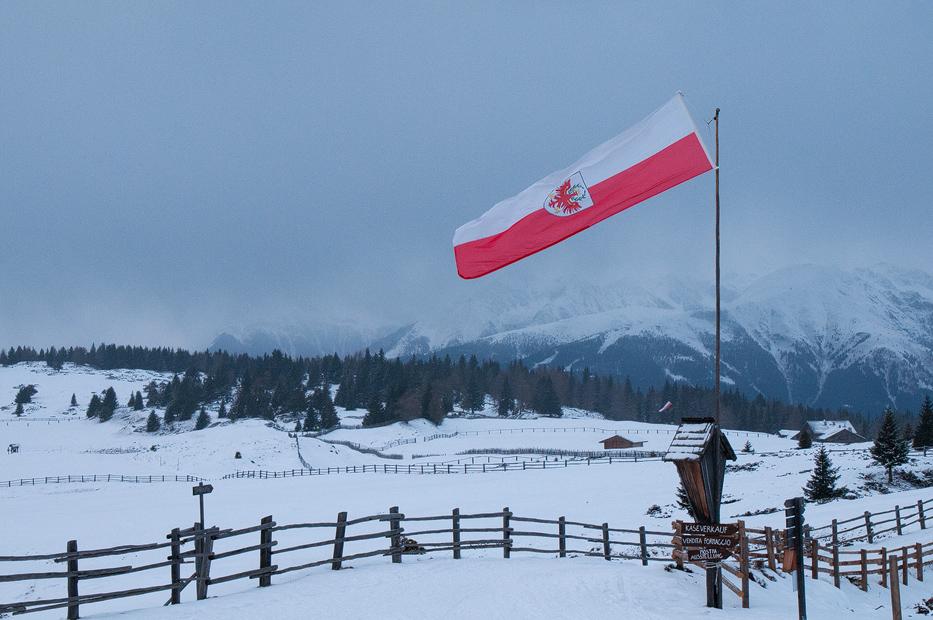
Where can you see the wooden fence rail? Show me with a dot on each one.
(96, 478)
(306, 545)
(438, 468)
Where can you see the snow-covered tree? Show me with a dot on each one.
(152, 422)
(890, 449)
(822, 484)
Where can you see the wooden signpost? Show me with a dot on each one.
(709, 542)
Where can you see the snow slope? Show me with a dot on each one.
(41, 518)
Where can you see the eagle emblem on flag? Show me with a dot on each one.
(571, 196)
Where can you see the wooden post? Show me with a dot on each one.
(204, 572)
(864, 557)
(606, 540)
(814, 558)
(897, 519)
(562, 537)
(884, 563)
(338, 540)
(72, 547)
(904, 564)
(265, 552)
(836, 566)
(895, 591)
(455, 517)
(176, 567)
(506, 532)
(744, 564)
(396, 536)
(642, 539)
(923, 523)
(769, 546)
(835, 533)
(919, 551)
(679, 541)
(868, 531)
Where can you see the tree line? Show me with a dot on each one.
(430, 387)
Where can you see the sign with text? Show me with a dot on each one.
(707, 555)
(718, 530)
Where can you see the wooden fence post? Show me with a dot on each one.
(769, 546)
(884, 563)
(835, 533)
(642, 539)
(455, 517)
(562, 537)
(744, 564)
(72, 547)
(265, 551)
(868, 531)
(396, 536)
(919, 550)
(506, 533)
(904, 562)
(176, 567)
(814, 559)
(895, 591)
(606, 540)
(338, 540)
(836, 566)
(897, 519)
(864, 557)
(204, 572)
(923, 523)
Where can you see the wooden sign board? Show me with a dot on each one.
(708, 542)
(719, 530)
(707, 555)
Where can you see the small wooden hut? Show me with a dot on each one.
(620, 443)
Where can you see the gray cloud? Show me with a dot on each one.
(168, 171)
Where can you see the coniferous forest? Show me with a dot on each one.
(391, 390)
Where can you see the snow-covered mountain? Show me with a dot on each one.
(821, 336)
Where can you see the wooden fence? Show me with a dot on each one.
(96, 478)
(223, 556)
(435, 468)
(870, 526)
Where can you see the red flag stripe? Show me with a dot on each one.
(539, 230)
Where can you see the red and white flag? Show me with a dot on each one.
(658, 153)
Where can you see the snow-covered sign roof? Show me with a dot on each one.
(689, 442)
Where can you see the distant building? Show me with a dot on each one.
(13, 448)
(620, 443)
(830, 431)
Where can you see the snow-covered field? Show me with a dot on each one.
(56, 440)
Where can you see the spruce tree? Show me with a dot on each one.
(74, 401)
(822, 484)
(203, 421)
(545, 400)
(138, 404)
(804, 441)
(375, 412)
(93, 407)
(152, 422)
(923, 436)
(19, 409)
(506, 399)
(890, 448)
(108, 405)
(683, 502)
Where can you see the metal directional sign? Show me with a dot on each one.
(707, 555)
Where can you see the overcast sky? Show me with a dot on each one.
(169, 171)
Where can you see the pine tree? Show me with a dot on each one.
(748, 448)
(545, 400)
(804, 441)
(822, 484)
(923, 436)
(203, 421)
(375, 412)
(19, 409)
(506, 399)
(93, 407)
(222, 412)
(152, 422)
(74, 401)
(25, 394)
(138, 404)
(890, 448)
(108, 405)
(683, 502)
